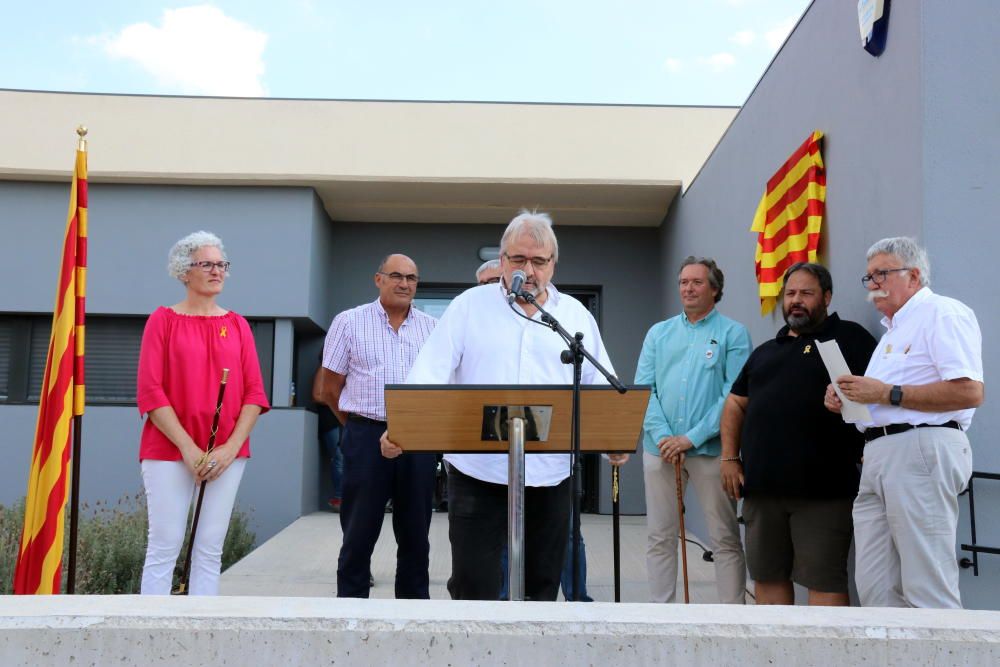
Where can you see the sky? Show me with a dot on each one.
(694, 52)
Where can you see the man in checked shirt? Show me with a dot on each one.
(366, 348)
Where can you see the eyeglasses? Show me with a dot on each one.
(490, 281)
(398, 277)
(518, 261)
(878, 277)
(208, 266)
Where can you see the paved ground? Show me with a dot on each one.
(301, 561)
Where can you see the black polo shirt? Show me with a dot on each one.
(791, 445)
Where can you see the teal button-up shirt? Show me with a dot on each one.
(691, 368)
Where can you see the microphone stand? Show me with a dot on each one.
(574, 355)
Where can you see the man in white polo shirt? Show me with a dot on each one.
(481, 339)
(922, 386)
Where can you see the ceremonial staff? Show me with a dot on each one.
(182, 588)
(680, 512)
(616, 531)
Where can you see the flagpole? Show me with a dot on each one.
(74, 506)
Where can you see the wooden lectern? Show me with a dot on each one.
(514, 419)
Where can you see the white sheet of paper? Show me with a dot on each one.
(836, 366)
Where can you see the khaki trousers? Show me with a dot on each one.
(906, 518)
(664, 525)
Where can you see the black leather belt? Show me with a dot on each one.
(364, 420)
(893, 429)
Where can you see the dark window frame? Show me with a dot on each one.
(30, 332)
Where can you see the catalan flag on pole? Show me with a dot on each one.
(789, 218)
(39, 562)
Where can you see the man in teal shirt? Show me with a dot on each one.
(691, 361)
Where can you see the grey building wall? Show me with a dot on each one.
(910, 142)
(266, 231)
(961, 114)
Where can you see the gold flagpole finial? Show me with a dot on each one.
(81, 131)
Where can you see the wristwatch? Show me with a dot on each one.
(896, 395)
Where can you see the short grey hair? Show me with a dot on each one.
(715, 277)
(179, 257)
(534, 224)
(907, 251)
(486, 266)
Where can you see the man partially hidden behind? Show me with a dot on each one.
(483, 340)
(366, 348)
(795, 463)
(489, 272)
(922, 386)
(691, 361)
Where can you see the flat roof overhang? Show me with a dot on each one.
(368, 161)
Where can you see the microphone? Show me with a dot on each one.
(516, 282)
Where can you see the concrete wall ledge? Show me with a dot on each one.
(130, 630)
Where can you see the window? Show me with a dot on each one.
(112, 356)
(6, 339)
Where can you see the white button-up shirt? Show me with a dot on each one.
(480, 340)
(930, 339)
(362, 345)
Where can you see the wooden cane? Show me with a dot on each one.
(680, 512)
(182, 588)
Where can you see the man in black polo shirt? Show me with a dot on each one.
(793, 460)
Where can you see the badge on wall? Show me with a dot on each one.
(873, 20)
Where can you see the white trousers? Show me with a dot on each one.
(906, 519)
(170, 492)
(663, 522)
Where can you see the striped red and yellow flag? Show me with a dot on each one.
(39, 562)
(789, 218)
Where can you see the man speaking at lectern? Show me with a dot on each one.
(484, 339)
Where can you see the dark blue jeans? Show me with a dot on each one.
(331, 445)
(369, 481)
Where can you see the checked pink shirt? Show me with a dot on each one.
(362, 345)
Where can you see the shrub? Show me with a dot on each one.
(111, 545)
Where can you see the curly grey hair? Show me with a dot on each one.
(534, 224)
(179, 257)
(907, 251)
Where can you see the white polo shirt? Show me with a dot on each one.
(479, 340)
(930, 339)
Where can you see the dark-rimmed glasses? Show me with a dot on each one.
(519, 261)
(207, 266)
(878, 276)
(398, 277)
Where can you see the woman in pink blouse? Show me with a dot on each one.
(184, 349)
